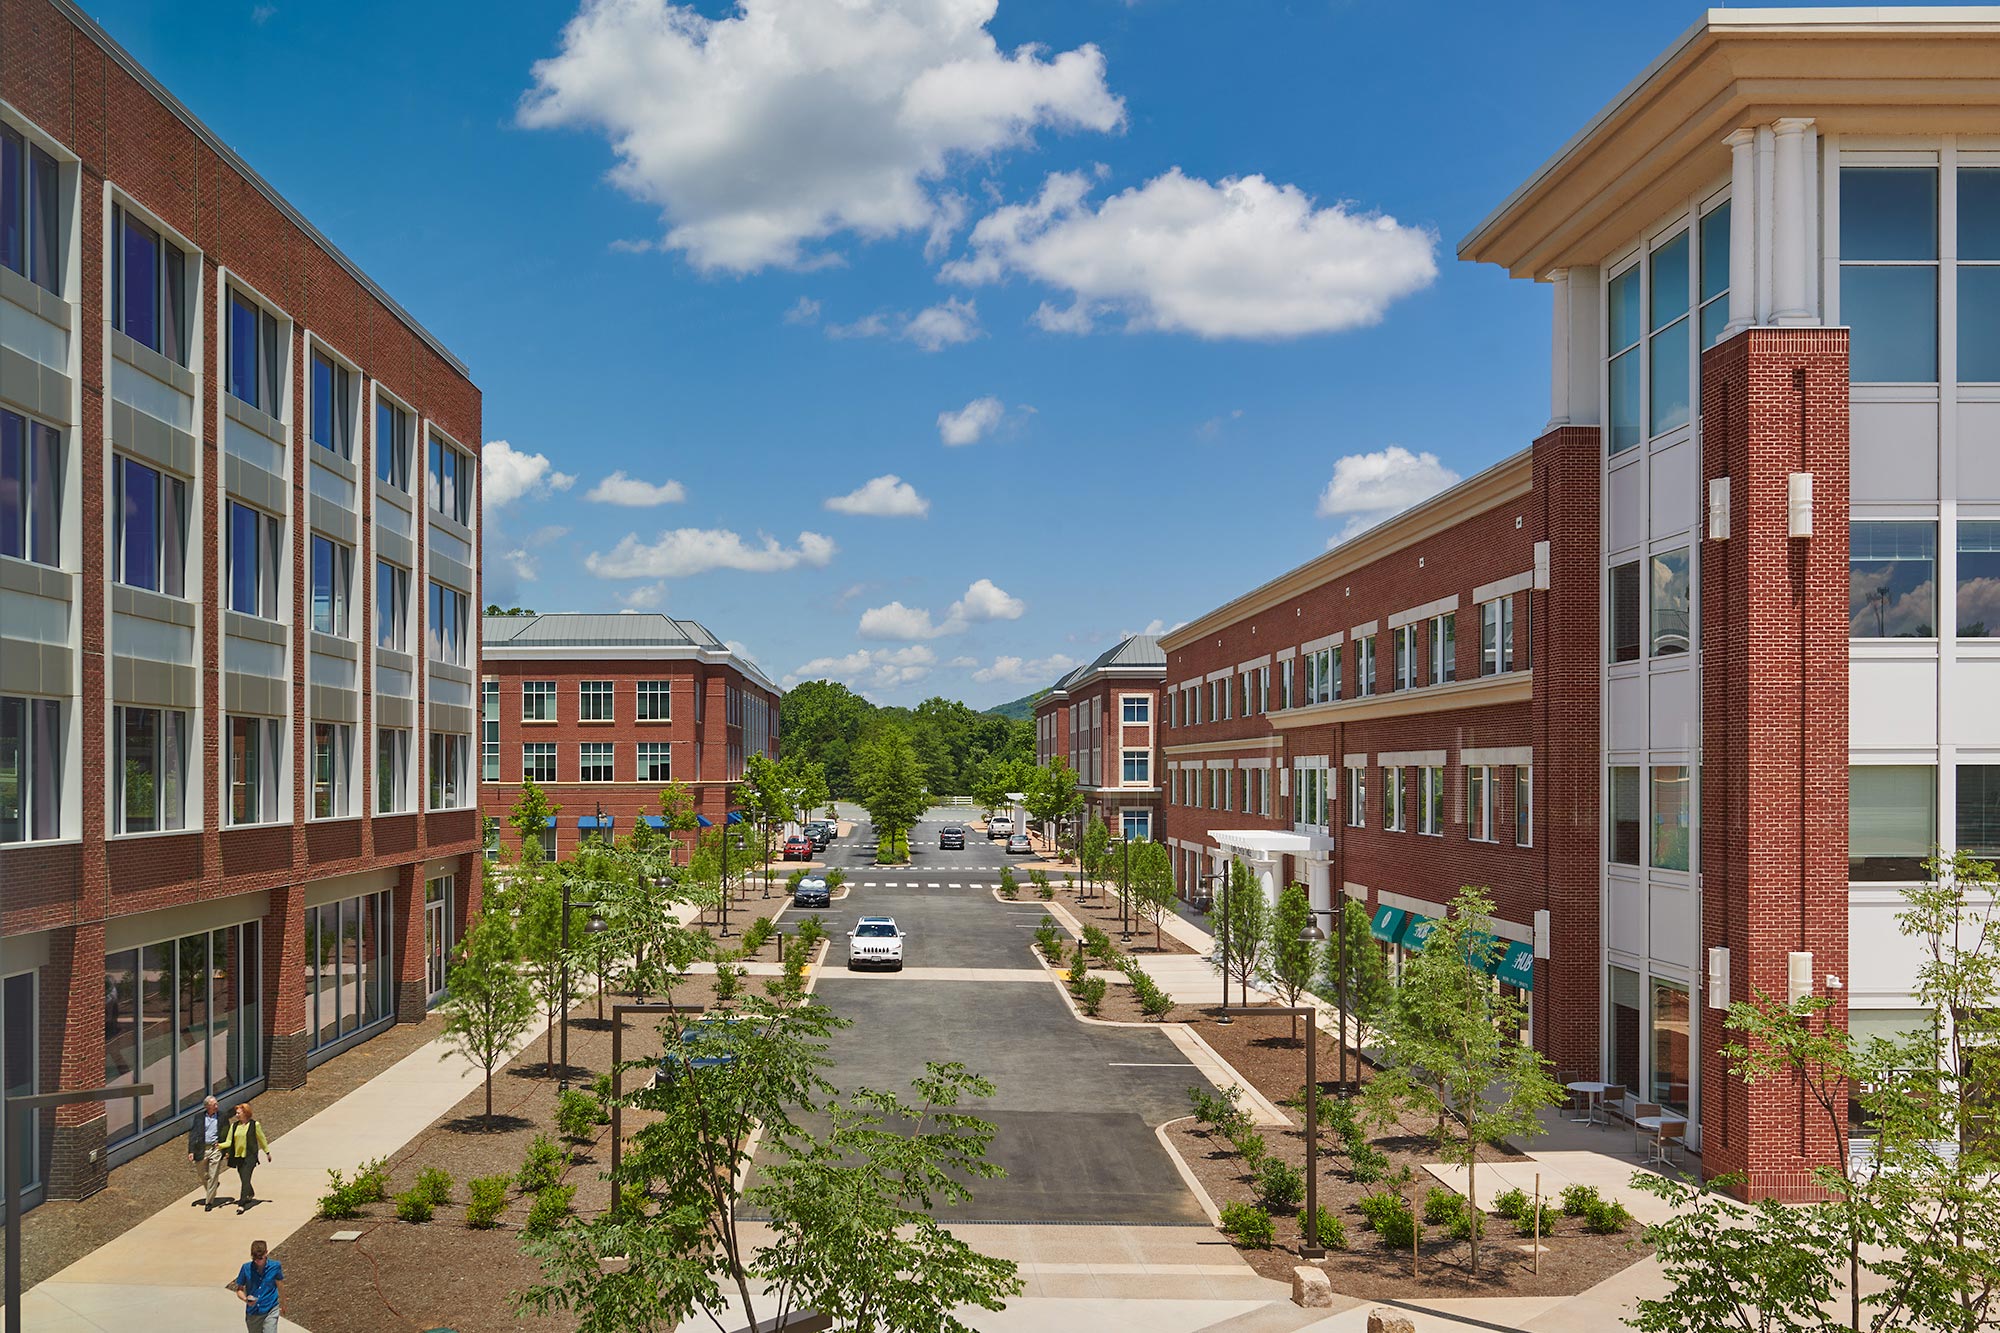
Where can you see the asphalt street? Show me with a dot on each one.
(1074, 1104)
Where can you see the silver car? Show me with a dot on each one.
(875, 941)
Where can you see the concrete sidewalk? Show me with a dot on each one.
(167, 1274)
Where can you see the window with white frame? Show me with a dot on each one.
(1430, 801)
(538, 761)
(1978, 274)
(489, 730)
(1479, 799)
(1286, 671)
(1444, 648)
(392, 445)
(595, 760)
(1889, 272)
(1646, 314)
(1404, 640)
(255, 365)
(1714, 294)
(31, 483)
(332, 585)
(256, 769)
(1309, 795)
(1137, 709)
(392, 606)
(1496, 636)
(150, 527)
(1364, 662)
(451, 478)
(1137, 768)
(1671, 603)
(1357, 796)
(594, 701)
(450, 614)
(538, 701)
(1394, 795)
(332, 405)
(333, 768)
(392, 770)
(150, 296)
(31, 769)
(656, 763)
(655, 701)
(256, 555)
(1225, 789)
(1524, 805)
(30, 211)
(1224, 692)
(149, 789)
(1136, 825)
(450, 775)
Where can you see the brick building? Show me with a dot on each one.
(239, 534)
(603, 711)
(1104, 719)
(1750, 572)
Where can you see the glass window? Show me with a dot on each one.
(1138, 708)
(255, 759)
(448, 621)
(450, 482)
(1394, 794)
(1670, 817)
(1888, 272)
(538, 761)
(1625, 612)
(1979, 809)
(152, 528)
(255, 553)
(1625, 1030)
(1357, 798)
(149, 296)
(392, 445)
(152, 757)
(595, 762)
(1137, 768)
(1364, 667)
(1892, 820)
(1714, 274)
(1670, 603)
(1625, 816)
(450, 757)
(332, 768)
(489, 731)
(255, 362)
(655, 761)
(1496, 636)
(31, 760)
(1623, 343)
(392, 606)
(1444, 648)
(655, 701)
(1524, 806)
(30, 211)
(332, 405)
(1137, 825)
(392, 770)
(31, 478)
(1978, 579)
(332, 578)
(1892, 580)
(538, 701)
(594, 701)
(1979, 274)
(1671, 1052)
(1404, 646)
(1479, 803)
(1430, 801)
(1667, 345)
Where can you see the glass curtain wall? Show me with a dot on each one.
(183, 1015)
(349, 980)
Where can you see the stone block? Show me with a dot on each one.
(1381, 1321)
(1310, 1288)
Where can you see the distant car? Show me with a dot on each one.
(702, 1046)
(832, 827)
(798, 848)
(951, 839)
(811, 892)
(1019, 843)
(817, 835)
(875, 941)
(1000, 826)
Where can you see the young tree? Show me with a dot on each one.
(1910, 1230)
(1290, 961)
(531, 816)
(891, 784)
(1152, 887)
(1448, 1052)
(1247, 926)
(765, 795)
(490, 1004)
(847, 1186)
(1093, 851)
(1049, 795)
(1366, 986)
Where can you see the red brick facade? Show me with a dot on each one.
(1082, 719)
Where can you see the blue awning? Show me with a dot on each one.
(737, 816)
(655, 821)
(1388, 923)
(703, 821)
(589, 823)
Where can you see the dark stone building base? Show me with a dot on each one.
(412, 1001)
(77, 1162)
(287, 1067)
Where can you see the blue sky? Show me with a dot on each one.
(719, 260)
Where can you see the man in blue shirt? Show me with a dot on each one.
(260, 1284)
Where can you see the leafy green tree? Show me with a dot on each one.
(1367, 987)
(490, 1003)
(1291, 962)
(822, 721)
(1247, 917)
(1093, 853)
(808, 784)
(1050, 794)
(765, 795)
(848, 1188)
(532, 815)
(1909, 1231)
(890, 782)
(1152, 887)
(1448, 1055)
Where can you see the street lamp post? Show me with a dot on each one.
(594, 926)
(1125, 891)
(17, 1108)
(1223, 902)
(1311, 1249)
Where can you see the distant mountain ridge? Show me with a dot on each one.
(1021, 709)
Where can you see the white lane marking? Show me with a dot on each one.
(933, 886)
(1149, 1064)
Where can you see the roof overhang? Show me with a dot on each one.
(1265, 843)
(1866, 70)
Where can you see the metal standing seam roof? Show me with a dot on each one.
(1135, 652)
(563, 629)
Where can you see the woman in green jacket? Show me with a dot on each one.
(243, 1142)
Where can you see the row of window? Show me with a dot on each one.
(597, 701)
(596, 761)
(1421, 653)
(1314, 795)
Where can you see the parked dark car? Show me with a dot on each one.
(798, 848)
(702, 1045)
(1019, 843)
(811, 892)
(818, 836)
(951, 839)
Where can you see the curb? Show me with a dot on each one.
(1187, 1172)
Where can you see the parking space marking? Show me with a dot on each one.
(1149, 1064)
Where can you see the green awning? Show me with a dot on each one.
(1388, 923)
(1417, 932)
(1517, 966)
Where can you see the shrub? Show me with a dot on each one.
(834, 879)
(489, 1200)
(1040, 879)
(1336, 1117)
(371, 1181)
(1098, 945)
(1578, 1200)
(1381, 1206)
(757, 934)
(413, 1205)
(600, 1088)
(811, 931)
(1049, 939)
(1010, 892)
(1249, 1143)
(1090, 994)
(1525, 1219)
(1009, 886)
(576, 1114)
(1332, 1231)
(1078, 966)
(1399, 1230)
(1220, 1109)
(1510, 1204)
(792, 881)
(728, 983)
(550, 1209)
(1442, 1205)
(340, 1201)
(1366, 1163)
(434, 1183)
(1045, 890)
(544, 1165)
(631, 1201)
(1153, 1002)
(1248, 1225)
(1606, 1217)
(1280, 1186)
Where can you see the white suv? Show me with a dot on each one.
(1000, 826)
(875, 941)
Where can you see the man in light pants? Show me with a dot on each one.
(205, 1147)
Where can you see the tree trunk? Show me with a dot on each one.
(489, 1096)
(1472, 1199)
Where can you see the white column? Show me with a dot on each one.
(1742, 231)
(1766, 211)
(1789, 242)
(1586, 343)
(1559, 336)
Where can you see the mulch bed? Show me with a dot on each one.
(1101, 909)
(1573, 1260)
(59, 1232)
(402, 1277)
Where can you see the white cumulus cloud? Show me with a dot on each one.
(1242, 258)
(876, 668)
(632, 493)
(983, 602)
(682, 552)
(972, 422)
(805, 310)
(506, 474)
(1026, 670)
(1367, 488)
(934, 328)
(887, 496)
(790, 122)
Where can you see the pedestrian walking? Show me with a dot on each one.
(260, 1285)
(245, 1141)
(205, 1147)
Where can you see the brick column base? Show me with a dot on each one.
(287, 1068)
(412, 999)
(78, 1167)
